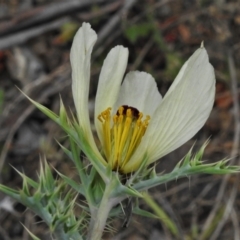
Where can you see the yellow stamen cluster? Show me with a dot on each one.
(122, 135)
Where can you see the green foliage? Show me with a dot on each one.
(68, 31)
(31, 234)
(52, 200)
(189, 165)
(55, 199)
(134, 32)
(214, 223)
(165, 219)
(173, 65)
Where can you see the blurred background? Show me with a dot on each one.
(35, 39)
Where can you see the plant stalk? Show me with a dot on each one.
(99, 217)
(61, 235)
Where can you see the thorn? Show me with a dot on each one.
(128, 213)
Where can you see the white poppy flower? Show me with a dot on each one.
(133, 122)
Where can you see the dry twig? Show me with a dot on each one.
(43, 15)
(23, 36)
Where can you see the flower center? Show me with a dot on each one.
(122, 135)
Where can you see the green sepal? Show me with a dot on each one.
(96, 189)
(97, 163)
(139, 174)
(109, 171)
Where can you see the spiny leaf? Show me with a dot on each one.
(143, 213)
(10, 192)
(42, 108)
(31, 234)
(63, 114)
(31, 182)
(165, 219)
(76, 186)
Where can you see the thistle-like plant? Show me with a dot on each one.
(135, 127)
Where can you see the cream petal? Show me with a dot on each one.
(182, 112)
(80, 57)
(109, 83)
(139, 90)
